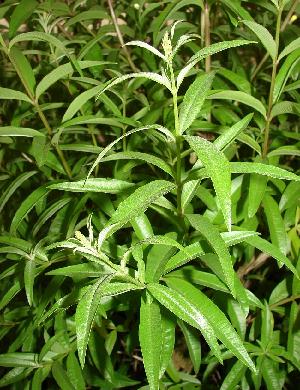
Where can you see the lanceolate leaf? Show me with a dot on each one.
(84, 316)
(264, 36)
(167, 340)
(263, 169)
(23, 68)
(241, 97)
(234, 376)
(29, 275)
(217, 243)
(6, 93)
(184, 309)
(26, 206)
(20, 14)
(150, 339)
(257, 189)
(145, 45)
(222, 327)
(193, 344)
(276, 224)
(108, 186)
(294, 45)
(193, 100)
(12, 131)
(218, 169)
(140, 200)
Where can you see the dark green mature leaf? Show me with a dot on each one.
(61, 377)
(217, 319)
(167, 340)
(211, 233)
(193, 344)
(193, 100)
(20, 14)
(150, 339)
(234, 376)
(108, 186)
(19, 359)
(264, 36)
(23, 69)
(11, 94)
(188, 312)
(13, 131)
(218, 169)
(26, 206)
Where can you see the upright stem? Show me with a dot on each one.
(178, 143)
(207, 35)
(271, 93)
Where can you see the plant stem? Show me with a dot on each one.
(207, 35)
(271, 92)
(178, 143)
(119, 35)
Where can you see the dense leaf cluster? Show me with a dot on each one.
(149, 194)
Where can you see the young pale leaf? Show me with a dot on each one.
(163, 80)
(193, 344)
(161, 129)
(85, 313)
(150, 339)
(263, 169)
(10, 94)
(108, 186)
(193, 100)
(145, 45)
(241, 97)
(264, 36)
(276, 224)
(206, 52)
(26, 206)
(226, 138)
(257, 189)
(221, 326)
(188, 312)
(218, 169)
(211, 233)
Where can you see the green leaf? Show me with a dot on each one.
(29, 275)
(193, 100)
(61, 377)
(108, 186)
(241, 97)
(15, 375)
(86, 15)
(190, 252)
(85, 313)
(263, 169)
(74, 372)
(193, 344)
(226, 138)
(10, 94)
(19, 359)
(149, 158)
(134, 205)
(257, 189)
(150, 339)
(234, 376)
(26, 206)
(264, 36)
(284, 73)
(294, 45)
(13, 186)
(85, 270)
(212, 235)
(239, 81)
(217, 319)
(146, 46)
(206, 52)
(185, 310)
(218, 169)
(13, 131)
(271, 375)
(273, 251)
(23, 69)
(20, 14)
(167, 340)
(61, 72)
(142, 227)
(276, 224)
(267, 325)
(285, 107)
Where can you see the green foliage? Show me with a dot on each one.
(149, 195)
